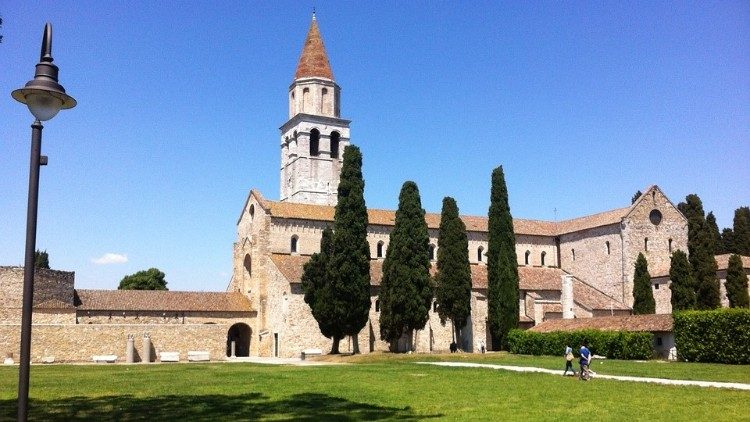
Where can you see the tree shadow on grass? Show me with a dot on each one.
(253, 406)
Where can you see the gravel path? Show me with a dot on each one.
(730, 385)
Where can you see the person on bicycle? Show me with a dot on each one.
(585, 359)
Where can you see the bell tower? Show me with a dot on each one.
(314, 137)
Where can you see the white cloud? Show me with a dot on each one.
(110, 258)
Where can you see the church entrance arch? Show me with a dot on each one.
(240, 334)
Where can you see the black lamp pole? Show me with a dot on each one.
(45, 98)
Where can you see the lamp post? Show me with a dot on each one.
(45, 98)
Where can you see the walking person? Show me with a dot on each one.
(482, 346)
(569, 361)
(584, 361)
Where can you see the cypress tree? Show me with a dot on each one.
(742, 231)
(406, 288)
(317, 288)
(701, 251)
(41, 259)
(502, 265)
(727, 241)
(682, 283)
(453, 278)
(736, 284)
(643, 296)
(713, 230)
(349, 266)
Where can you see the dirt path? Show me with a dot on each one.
(730, 385)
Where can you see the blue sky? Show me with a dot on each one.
(179, 106)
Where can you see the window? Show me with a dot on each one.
(656, 286)
(432, 252)
(306, 100)
(659, 341)
(335, 144)
(544, 255)
(323, 97)
(379, 249)
(669, 242)
(526, 258)
(645, 244)
(377, 305)
(252, 212)
(480, 252)
(607, 242)
(293, 246)
(655, 217)
(434, 306)
(314, 143)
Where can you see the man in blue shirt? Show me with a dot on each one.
(585, 358)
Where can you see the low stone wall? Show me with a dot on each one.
(78, 343)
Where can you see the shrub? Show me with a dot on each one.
(721, 336)
(612, 344)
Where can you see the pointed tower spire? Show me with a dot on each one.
(313, 62)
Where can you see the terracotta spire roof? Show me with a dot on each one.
(313, 62)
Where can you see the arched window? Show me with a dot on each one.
(526, 258)
(379, 249)
(670, 245)
(645, 244)
(314, 143)
(544, 255)
(293, 245)
(306, 100)
(251, 211)
(323, 98)
(434, 306)
(248, 264)
(335, 139)
(573, 252)
(607, 243)
(432, 252)
(377, 305)
(480, 252)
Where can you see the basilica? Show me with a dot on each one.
(573, 273)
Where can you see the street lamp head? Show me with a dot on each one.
(44, 96)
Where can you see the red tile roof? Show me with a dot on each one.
(380, 217)
(530, 279)
(313, 62)
(161, 300)
(660, 322)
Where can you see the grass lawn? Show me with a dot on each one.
(380, 387)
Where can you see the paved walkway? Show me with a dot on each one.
(730, 385)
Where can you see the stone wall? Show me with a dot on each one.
(161, 318)
(669, 235)
(78, 343)
(48, 285)
(584, 254)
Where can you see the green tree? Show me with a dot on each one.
(643, 296)
(682, 282)
(453, 278)
(41, 259)
(701, 252)
(151, 279)
(727, 241)
(635, 197)
(713, 230)
(742, 231)
(317, 288)
(502, 265)
(349, 267)
(406, 288)
(736, 284)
